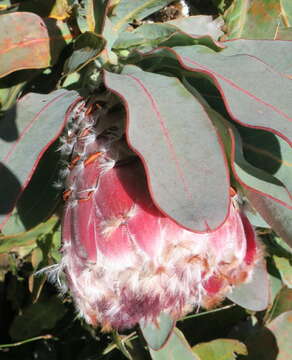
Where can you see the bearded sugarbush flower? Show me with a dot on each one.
(127, 262)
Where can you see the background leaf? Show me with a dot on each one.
(257, 19)
(254, 178)
(100, 10)
(284, 266)
(275, 53)
(282, 303)
(194, 30)
(28, 42)
(269, 169)
(220, 349)
(38, 117)
(156, 335)
(275, 214)
(86, 48)
(253, 295)
(41, 196)
(199, 25)
(268, 152)
(126, 11)
(273, 341)
(244, 94)
(176, 348)
(61, 9)
(284, 33)
(91, 15)
(11, 87)
(36, 318)
(26, 239)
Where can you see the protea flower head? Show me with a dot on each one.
(127, 262)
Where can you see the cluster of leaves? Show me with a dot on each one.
(52, 54)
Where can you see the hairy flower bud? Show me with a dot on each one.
(125, 261)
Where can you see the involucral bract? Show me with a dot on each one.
(124, 260)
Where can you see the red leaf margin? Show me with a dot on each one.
(43, 150)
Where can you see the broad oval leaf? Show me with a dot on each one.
(26, 239)
(275, 53)
(282, 303)
(276, 215)
(285, 269)
(284, 33)
(61, 9)
(273, 341)
(26, 132)
(256, 179)
(255, 95)
(254, 295)
(183, 157)
(100, 11)
(126, 11)
(269, 180)
(148, 36)
(91, 15)
(199, 25)
(220, 349)
(29, 42)
(257, 19)
(36, 318)
(156, 335)
(86, 48)
(268, 152)
(39, 199)
(177, 347)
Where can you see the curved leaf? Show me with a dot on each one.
(126, 11)
(243, 81)
(273, 341)
(256, 179)
(284, 33)
(166, 34)
(275, 214)
(91, 15)
(282, 303)
(28, 238)
(285, 269)
(8, 95)
(220, 349)
(199, 25)
(61, 9)
(176, 348)
(39, 119)
(274, 184)
(86, 48)
(156, 335)
(39, 199)
(254, 295)
(275, 53)
(29, 42)
(100, 10)
(187, 173)
(257, 19)
(268, 152)
(36, 318)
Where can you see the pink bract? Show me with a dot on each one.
(126, 262)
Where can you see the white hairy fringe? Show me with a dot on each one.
(56, 276)
(179, 271)
(185, 8)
